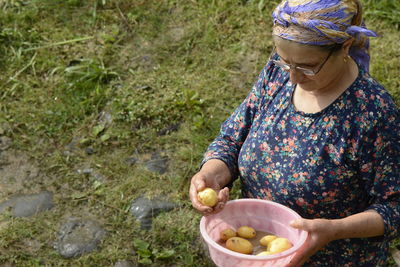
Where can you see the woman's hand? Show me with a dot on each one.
(200, 181)
(320, 233)
(213, 174)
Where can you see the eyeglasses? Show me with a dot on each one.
(305, 71)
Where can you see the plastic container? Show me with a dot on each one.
(262, 215)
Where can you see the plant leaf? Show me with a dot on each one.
(104, 137)
(165, 254)
(145, 261)
(140, 244)
(98, 129)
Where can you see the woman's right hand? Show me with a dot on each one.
(202, 180)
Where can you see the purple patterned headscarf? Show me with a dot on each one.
(323, 22)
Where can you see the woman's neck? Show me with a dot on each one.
(316, 100)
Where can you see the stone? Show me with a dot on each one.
(72, 147)
(97, 176)
(131, 160)
(145, 210)
(28, 205)
(157, 164)
(78, 236)
(105, 118)
(89, 150)
(169, 129)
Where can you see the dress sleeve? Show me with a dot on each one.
(233, 132)
(380, 161)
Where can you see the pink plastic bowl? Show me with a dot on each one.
(262, 215)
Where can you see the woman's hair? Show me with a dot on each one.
(357, 18)
(324, 23)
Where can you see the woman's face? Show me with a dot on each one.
(330, 66)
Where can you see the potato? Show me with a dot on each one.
(278, 245)
(246, 232)
(240, 245)
(208, 197)
(227, 233)
(265, 240)
(264, 253)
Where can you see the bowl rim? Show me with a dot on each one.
(215, 245)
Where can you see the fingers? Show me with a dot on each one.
(223, 197)
(195, 201)
(318, 237)
(199, 182)
(302, 255)
(301, 224)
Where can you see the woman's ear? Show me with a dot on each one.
(346, 46)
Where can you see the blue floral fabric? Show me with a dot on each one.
(331, 164)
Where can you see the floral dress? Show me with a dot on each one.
(331, 164)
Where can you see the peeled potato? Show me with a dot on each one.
(265, 240)
(226, 234)
(246, 232)
(264, 253)
(240, 245)
(278, 245)
(208, 197)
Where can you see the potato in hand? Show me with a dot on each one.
(208, 197)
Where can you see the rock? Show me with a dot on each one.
(89, 150)
(105, 118)
(157, 164)
(143, 88)
(72, 147)
(169, 129)
(28, 205)
(78, 236)
(125, 263)
(131, 160)
(145, 210)
(92, 173)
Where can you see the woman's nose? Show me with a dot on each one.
(296, 76)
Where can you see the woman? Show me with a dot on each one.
(316, 134)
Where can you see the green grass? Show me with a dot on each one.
(150, 65)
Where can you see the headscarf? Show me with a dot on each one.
(324, 22)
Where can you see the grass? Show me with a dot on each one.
(68, 65)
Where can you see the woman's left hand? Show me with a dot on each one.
(321, 232)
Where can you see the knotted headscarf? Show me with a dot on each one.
(324, 22)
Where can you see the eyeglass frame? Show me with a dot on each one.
(305, 71)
